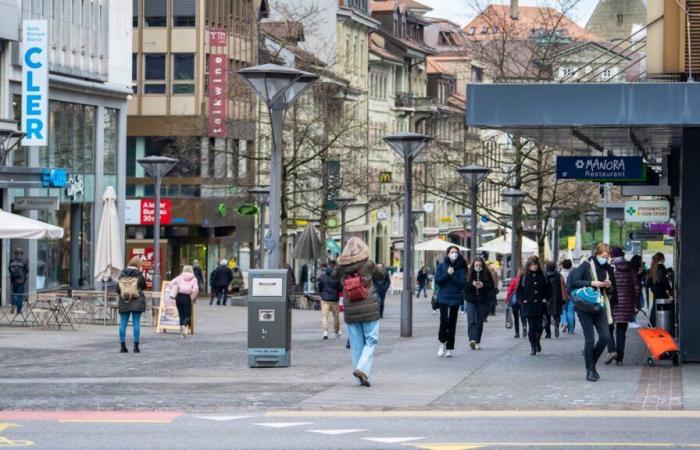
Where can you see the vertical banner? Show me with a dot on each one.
(35, 82)
(217, 92)
(217, 37)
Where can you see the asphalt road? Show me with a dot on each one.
(431, 430)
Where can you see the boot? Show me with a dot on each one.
(556, 331)
(595, 374)
(590, 375)
(124, 349)
(533, 350)
(136, 347)
(517, 335)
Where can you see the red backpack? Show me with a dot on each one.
(354, 289)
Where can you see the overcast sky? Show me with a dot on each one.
(460, 12)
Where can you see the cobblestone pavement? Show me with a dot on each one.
(66, 370)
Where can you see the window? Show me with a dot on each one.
(484, 29)
(135, 72)
(184, 13)
(154, 13)
(471, 31)
(620, 19)
(183, 73)
(154, 79)
(477, 74)
(135, 12)
(111, 144)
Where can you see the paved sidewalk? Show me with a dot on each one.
(208, 372)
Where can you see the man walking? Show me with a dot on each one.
(19, 269)
(330, 289)
(220, 280)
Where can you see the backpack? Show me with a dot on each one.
(16, 270)
(129, 288)
(353, 288)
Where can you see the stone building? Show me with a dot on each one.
(615, 20)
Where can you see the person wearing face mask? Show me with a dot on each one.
(534, 292)
(451, 280)
(478, 290)
(597, 273)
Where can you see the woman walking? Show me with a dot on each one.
(568, 317)
(357, 273)
(185, 289)
(628, 291)
(598, 274)
(451, 280)
(658, 283)
(132, 301)
(478, 290)
(514, 303)
(534, 292)
(556, 301)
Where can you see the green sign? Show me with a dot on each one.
(248, 210)
(222, 209)
(332, 222)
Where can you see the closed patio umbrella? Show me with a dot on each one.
(13, 226)
(109, 258)
(309, 245)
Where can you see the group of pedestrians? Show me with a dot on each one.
(222, 280)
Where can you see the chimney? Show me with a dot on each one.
(514, 10)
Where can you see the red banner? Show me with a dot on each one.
(148, 211)
(217, 37)
(217, 110)
(147, 263)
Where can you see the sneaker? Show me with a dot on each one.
(564, 327)
(472, 344)
(183, 331)
(448, 354)
(434, 311)
(441, 350)
(634, 325)
(612, 356)
(12, 310)
(338, 334)
(477, 346)
(325, 335)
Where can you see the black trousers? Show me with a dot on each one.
(618, 336)
(184, 308)
(518, 317)
(222, 295)
(535, 329)
(548, 319)
(448, 325)
(589, 323)
(476, 314)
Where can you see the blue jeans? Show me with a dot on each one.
(568, 317)
(18, 296)
(124, 321)
(363, 342)
(423, 288)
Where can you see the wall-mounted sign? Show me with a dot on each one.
(36, 203)
(332, 222)
(430, 231)
(217, 108)
(148, 211)
(382, 215)
(217, 37)
(385, 177)
(35, 82)
(646, 236)
(656, 211)
(446, 219)
(248, 209)
(600, 168)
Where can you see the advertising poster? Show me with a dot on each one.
(168, 318)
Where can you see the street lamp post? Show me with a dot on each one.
(557, 211)
(592, 217)
(343, 203)
(473, 175)
(157, 167)
(408, 146)
(262, 195)
(515, 198)
(465, 218)
(278, 87)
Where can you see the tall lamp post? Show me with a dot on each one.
(515, 198)
(557, 212)
(343, 203)
(473, 175)
(262, 195)
(408, 146)
(592, 218)
(465, 218)
(278, 87)
(157, 167)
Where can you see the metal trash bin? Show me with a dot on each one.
(664, 314)
(269, 318)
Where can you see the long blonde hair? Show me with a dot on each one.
(654, 270)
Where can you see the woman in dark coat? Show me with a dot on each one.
(131, 282)
(557, 299)
(451, 276)
(478, 290)
(534, 292)
(658, 283)
(628, 291)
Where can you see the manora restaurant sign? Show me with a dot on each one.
(35, 82)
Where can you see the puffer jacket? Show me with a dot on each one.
(451, 287)
(186, 284)
(136, 304)
(329, 287)
(366, 310)
(628, 291)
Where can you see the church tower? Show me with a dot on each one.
(617, 19)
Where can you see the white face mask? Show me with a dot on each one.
(453, 256)
(478, 268)
(602, 261)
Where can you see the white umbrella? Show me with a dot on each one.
(501, 246)
(109, 260)
(13, 226)
(436, 245)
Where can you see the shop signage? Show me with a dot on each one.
(36, 203)
(35, 82)
(656, 211)
(382, 215)
(600, 168)
(217, 110)
(217, 37)
(332, 222)
(148, 211)
(446, 219)
(385, 177)
(430, 231)
(646, 236)
(248, 210)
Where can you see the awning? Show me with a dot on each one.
(13, 226)
(501, 245)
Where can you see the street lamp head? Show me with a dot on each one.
(344, 202)
(592, 216)
(465, 217)
(261, 193)
(473, 174)
(157, 166)
(514, 197)
(407, 145)
(277, 85)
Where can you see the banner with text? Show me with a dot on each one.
(217, 110)
(600, 168)
(35, 82)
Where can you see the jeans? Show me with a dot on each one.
(568, 317)
(535, 330)
(363, 338)
(222, 295)
(448, 325)
(588, 323)
(326, 309)
(184, 308)
(518, 317)
(423, 288)
(18, 296)
(476, 314)
(124, 321)
(617, 339)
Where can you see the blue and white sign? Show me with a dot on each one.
(35, 82)
(600, 168)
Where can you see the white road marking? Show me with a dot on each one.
(223, 418)
(335, 432)
(393, 440)
(283, 424)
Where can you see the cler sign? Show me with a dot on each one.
(600, 168)
(35, 82)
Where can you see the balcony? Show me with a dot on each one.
(404, 100)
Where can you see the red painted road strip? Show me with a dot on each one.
(88, 416)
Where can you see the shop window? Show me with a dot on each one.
(154, 80)
(154, 13)
(111, 140)
(135, 72)
(71, 137)
(183, 73)
(184, 13)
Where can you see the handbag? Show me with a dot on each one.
(513, 300)
(588, 300)
(434, 302)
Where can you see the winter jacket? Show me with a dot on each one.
(534, 292)
(422, 278)
(366, 310)
(329, 287)
(236, 280)
(221, 277)
(20, 266)
(136, 304)
(628, 291)
(556, 299)
(662, 288)
(185, 283)
(512, 287)
(382, 287)
(451, 287)
(483, 294)
(199, 275)
(581, 277)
